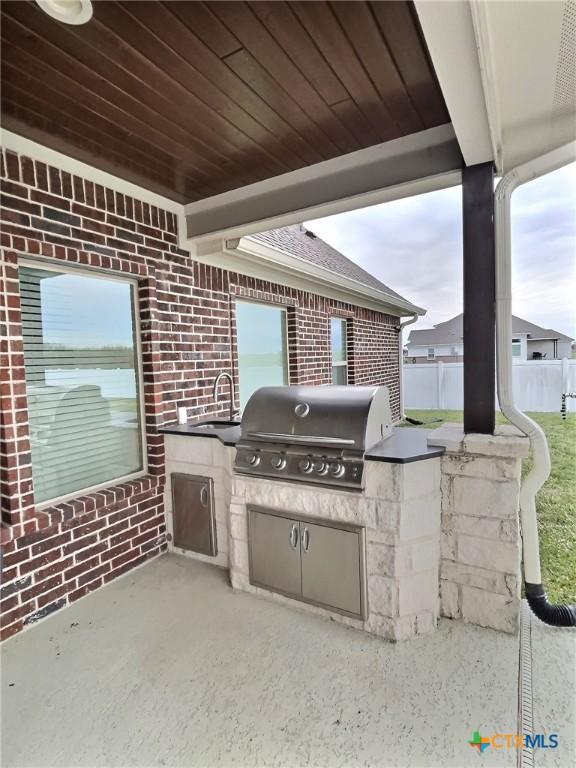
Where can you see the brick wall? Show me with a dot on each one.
(54, 555)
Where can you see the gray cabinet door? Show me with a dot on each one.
(193, 513)
(275, 553)
(331, 563)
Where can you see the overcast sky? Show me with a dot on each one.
(415, 247)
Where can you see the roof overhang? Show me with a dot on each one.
(547, 338)
(193, 99)
(449, 33)
(261, 114)
(407, 166)
(253, 258)
(507, 74)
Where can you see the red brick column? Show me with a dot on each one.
(16, 465)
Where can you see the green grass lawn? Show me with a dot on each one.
(555, 504)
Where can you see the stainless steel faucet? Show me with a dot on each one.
(217, 380)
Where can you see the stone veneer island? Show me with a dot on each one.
(441, 534)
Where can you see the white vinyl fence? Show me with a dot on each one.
(538, 385)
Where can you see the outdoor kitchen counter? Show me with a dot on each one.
(404, 446)
(228, 436)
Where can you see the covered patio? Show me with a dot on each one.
(168, 666)
(245, 117)
(222, 120)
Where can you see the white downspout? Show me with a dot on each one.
(401, 361)
(540, 471)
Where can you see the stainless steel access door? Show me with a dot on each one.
(275, 553)
(193, 515)
(331, 567)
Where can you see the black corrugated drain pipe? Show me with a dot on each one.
(556, 615)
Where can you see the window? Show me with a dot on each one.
(262, 347)
(516, 348)
(454, 351)
(339, 351)
(82, 380)
(431, 354)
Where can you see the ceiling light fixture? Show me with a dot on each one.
(68, 11)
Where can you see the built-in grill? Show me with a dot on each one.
(312, 434)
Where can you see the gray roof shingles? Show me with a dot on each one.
(451, 332)
(295, 241)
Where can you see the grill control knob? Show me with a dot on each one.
(306, 465)
(336, 469)
(320, 467)
(253, 459)
(302, 410)
(278, 461)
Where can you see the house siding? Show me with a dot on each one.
(418, 353)
(550, 349)
(57, 554)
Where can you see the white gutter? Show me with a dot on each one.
(534, 480)
(401, 327)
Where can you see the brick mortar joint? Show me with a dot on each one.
(55, 513)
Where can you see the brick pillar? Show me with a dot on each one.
(16, 462)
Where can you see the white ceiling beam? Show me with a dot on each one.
(448, 28)
(406, 166)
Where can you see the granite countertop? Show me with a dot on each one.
(402, 447)
(406, 444)
(227, 435)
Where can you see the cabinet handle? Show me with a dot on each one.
(294, 535)
(306, 539)
(204, 496)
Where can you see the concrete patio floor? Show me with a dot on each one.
(168, 666)
(554, 692)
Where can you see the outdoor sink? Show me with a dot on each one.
(215, 425)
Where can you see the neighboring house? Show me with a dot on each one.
(444, 342)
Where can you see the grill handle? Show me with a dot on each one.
(312, 439)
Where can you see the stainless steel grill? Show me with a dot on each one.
(312, 434)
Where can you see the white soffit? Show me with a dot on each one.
(410, 165)
(507, 70)
(449, 32)
(534, 69)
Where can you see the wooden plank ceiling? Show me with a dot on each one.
(191, 99)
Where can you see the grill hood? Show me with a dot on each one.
(345, 417)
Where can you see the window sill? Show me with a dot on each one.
(90, 492)
(89, 505)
